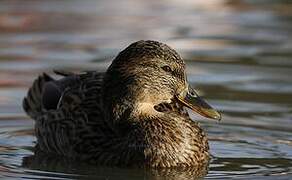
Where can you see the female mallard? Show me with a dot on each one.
(130, 115)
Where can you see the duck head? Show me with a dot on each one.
(146, 74)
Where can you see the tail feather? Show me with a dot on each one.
(63, 73)
(32, 103)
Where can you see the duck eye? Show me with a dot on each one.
(166, 68)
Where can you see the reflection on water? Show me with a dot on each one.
(238, 54)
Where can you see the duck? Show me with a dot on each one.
(133, 114)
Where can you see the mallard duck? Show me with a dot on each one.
(132, 115)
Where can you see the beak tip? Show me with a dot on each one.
(190, 99)
(218, 116)
(212, 114)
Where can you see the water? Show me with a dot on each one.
(238, 53)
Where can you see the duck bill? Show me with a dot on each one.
(193, 101)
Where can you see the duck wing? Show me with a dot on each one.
(68, 114)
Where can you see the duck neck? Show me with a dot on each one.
(170, 140)
(125, 96)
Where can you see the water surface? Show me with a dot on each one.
(238, 54)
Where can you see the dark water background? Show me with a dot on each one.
(238, 53)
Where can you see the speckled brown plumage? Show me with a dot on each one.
(129, 115)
